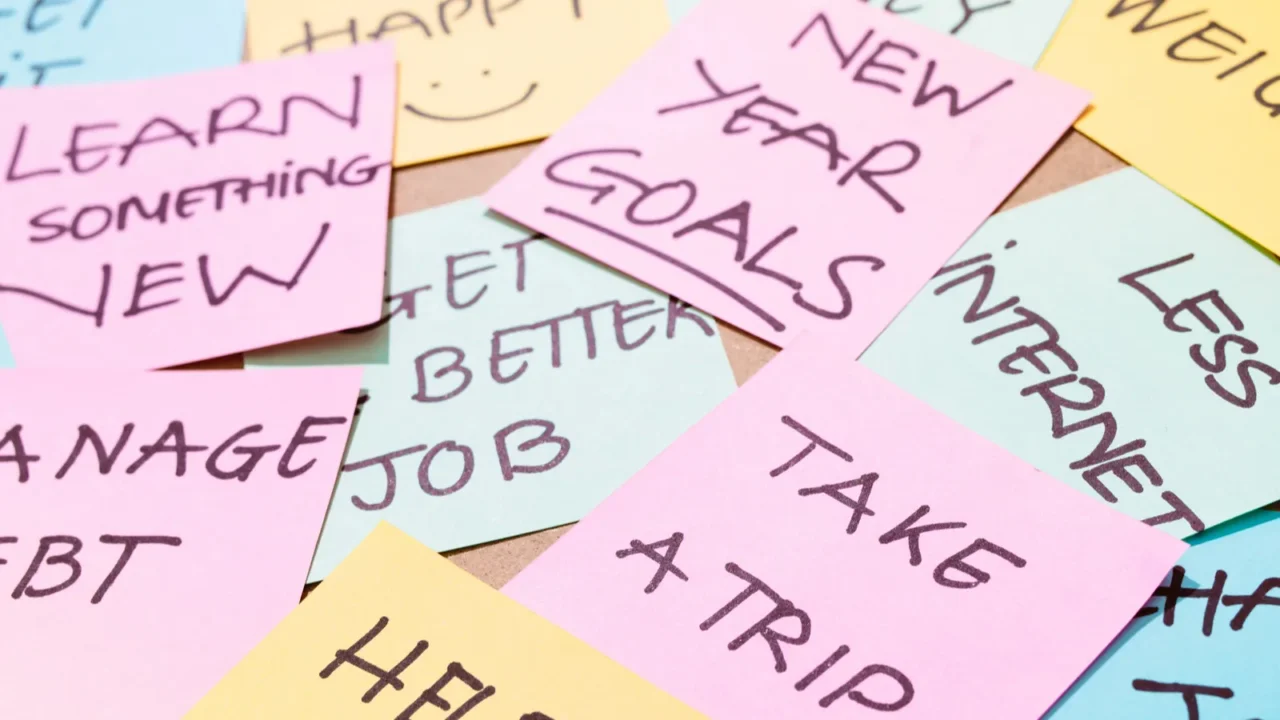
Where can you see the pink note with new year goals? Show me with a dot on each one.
(824, 543)
(792, 165)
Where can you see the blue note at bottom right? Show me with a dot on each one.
(1205, 647)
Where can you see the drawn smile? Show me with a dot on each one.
(463, 118)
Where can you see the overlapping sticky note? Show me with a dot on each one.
(822, 542)
(793, 165)
(6, 357)
(166, 221)
(473, 75)
(398, 631)
(514, 386)
(1189, 92)
(60, 42)
(1016, 31)
(1204, 646)
(154, 527)
(1115, 337)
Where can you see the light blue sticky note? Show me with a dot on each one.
(679, 8)
(513, 399)
(1017, 30)
(1202, 637)
(1116, 338)
(63, 42)
(6, 357)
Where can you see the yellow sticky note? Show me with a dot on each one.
(397, 631)
(1188, 91)
(474, 74)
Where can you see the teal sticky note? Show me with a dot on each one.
(1204, 647)
(62, 42)
(513, 398)
(1115, 337)
(1017, 30)
(6, 356)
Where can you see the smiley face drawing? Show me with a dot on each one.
(414, 109)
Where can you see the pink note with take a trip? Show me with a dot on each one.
(792, 165)
(160, 222)
(824, 545)
(154, 527)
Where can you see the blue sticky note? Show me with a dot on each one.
(514, 387)
(6, 356)
(1017, 30)
(1115, 337)
(1207, 639)
(62, 42)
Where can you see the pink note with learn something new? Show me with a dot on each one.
(154, 527)
(160, 222)
(824, 543)
(788, 166)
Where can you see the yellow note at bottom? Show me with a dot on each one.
(397, 632)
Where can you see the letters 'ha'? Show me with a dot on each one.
(166, 221)
(824, 543)
(154, 527)
(791, 166)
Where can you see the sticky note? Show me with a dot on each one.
(1203, 647)
(1016, 30)
(1116, 338)
(154, 527)
(62, 42)
(398, 631)
(513, 386)
(6, 357)
(473, 75)
(791, 166)
(824, 543)
(1188, 92)
(166, 221)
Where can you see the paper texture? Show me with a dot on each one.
(514, 387)
(447, 643)
(791, 166)
(1116, 338)
(154, 527)
(167, 221)
(63, 42)
(822, 540)
(1188, 92)
(473, 75)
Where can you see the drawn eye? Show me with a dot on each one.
(485, 72)
(435, 85)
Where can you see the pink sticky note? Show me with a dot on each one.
(154, 527)
(161, 222)
(792, 165)
(824, 543)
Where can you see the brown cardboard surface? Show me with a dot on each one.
(1075, 160)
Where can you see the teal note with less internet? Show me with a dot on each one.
(1204, 647)
(514, 386)
(1017, 30)
(1115, 337)
(62, 42)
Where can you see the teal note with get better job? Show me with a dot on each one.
(513, 386)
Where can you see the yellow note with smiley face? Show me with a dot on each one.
(474, 74)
